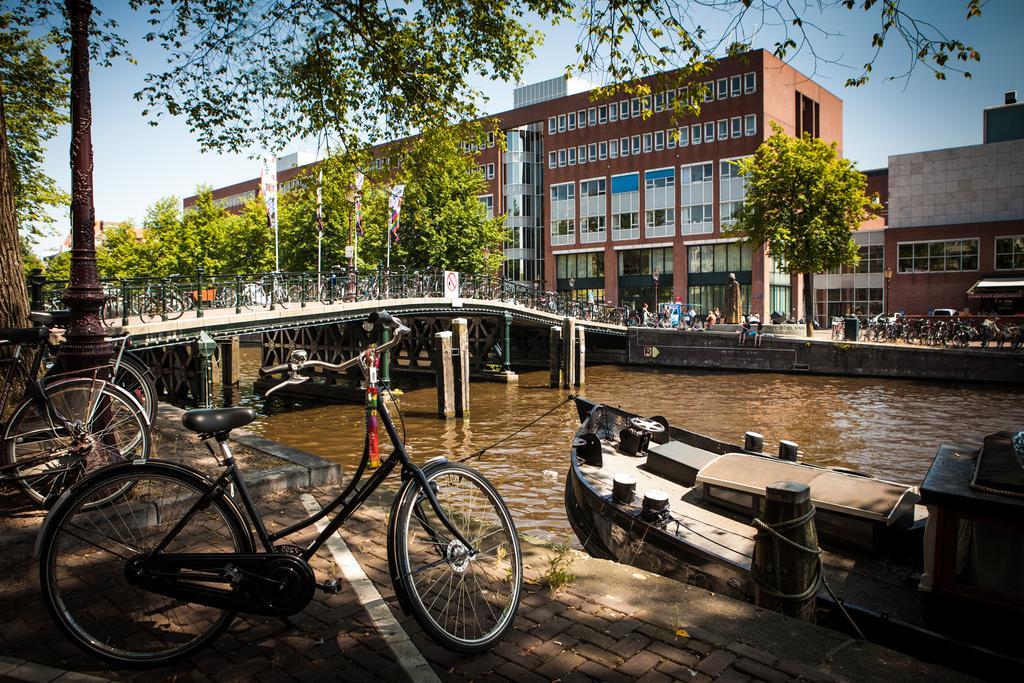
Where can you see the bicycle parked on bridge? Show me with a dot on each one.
(65, 424)
(177, 558)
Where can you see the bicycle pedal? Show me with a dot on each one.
(332, 586)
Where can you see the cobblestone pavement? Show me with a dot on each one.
(576, 635)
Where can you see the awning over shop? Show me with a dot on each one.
(997, 288)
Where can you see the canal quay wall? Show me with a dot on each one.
(722, 350)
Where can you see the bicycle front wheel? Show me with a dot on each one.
(134, 377)
(465, 601)
(84, 555)
(84, 424)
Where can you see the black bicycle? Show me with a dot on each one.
(176, 558)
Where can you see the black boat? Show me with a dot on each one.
(936, 571)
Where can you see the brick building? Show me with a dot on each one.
(599, 198)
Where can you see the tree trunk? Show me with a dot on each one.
(13, 296)
(86, 346)
(808, 304)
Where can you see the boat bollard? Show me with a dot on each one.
(753, 442)
(588, 447)
(655, 506)
(623, 488)
(786, 566)
(788, 451)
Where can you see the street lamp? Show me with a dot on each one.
(350, 249)
(656, 274)
(572, 288)
(888, 278)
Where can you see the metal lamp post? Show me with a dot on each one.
(572, 288)
(657, 273)
(888, 278)
(350, 250)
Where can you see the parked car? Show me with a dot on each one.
(950, 312)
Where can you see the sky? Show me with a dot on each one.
(136, 164)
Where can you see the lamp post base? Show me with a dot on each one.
(350, 286)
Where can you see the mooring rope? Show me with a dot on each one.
(773, 531)
(502, 440)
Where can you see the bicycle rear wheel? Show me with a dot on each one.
(84, 555)
(133, 376)
(464, 602)
(106, 426)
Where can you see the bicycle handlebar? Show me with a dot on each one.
(274, 369)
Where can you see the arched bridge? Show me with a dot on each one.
(508, 322)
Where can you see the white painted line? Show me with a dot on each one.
(390, 630)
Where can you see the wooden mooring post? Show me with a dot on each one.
(555, 357)
(445, 373)
(230, 372)
(460, 358)
(580, 356)
(786, 576)
(568, 353)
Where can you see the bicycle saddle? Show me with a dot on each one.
(23, 335)
(217, 420)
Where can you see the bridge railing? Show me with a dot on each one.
(151, 299)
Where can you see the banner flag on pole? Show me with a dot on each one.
(358, 208)
(395, 204)
(320, 203)
(268, 188)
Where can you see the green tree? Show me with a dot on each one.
(247, 242)
(122, 254)
(58, 267)
(443, 224)
(802, 204)
(29, 259)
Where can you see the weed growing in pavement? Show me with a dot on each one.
(558, 573)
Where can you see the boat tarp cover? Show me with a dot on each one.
(852, 495)
(998, 468)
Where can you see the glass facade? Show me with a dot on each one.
(524, 202)
(636, 277)
(563, 214)
(732, 188)
(626, 206)
(582, 275)
(1010, 253)
(937, 256)
(593, 207)
(708, 267)
(697, 198)
(660, 203)
(780, 293)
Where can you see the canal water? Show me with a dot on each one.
(886, 428)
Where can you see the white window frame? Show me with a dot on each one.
(602, 114)
(995, 251)
(553, 159)
(561, 123)
(613, 148)
(592, 117)
(613, 112)
(634, 231)
(571, 116)
(723, 129)
(581, 153)
(581, 118)
(634, 147)
(670, 139)
(623, 147)
(490, 206)
(684, 136)
(561, 158)
(565, 211)
(552, 125)
(624, 110)
(722, 89)
(648, 142)
(635, 107)
(938, 272)
(706, 226)
(659, 101)
(602, 150)
(735, 86)
(652, 203)
(572, 156)
(602, 234)
(709, 92)
(726, 196)
(659, 140)
(670, 97)
(490, 171)
(709, 131)
(592, 152)
(698, 138)
(749, 82)
(749, 129)
(736, 127)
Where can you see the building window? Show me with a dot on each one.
(659, 101)
(602, 150)
(645, 261)
(839, 302)
(561, 123)
(697, 197)
(552, 125)
(592, 151)
(636, 107)
(572, 156)
(1010, 253)
(723, 129)
(602, 114)
(581, 152)
(488, 201)
(626, 206)
(613, 149)
(750, 124)
(592, 116)
(695, 138)
(660, 203)
(561, 157)
(552, 159)
(636, 144)
(749, 82)
(684, 136)
(581, 118)
(671, 139)
(563, 214)
(709, 91)
(709, 131)
(490, 171)
(723, 88)
(659, 140)
(580, 266)
(732, 188)
(709, 266)
(938, 256)
(572, 120)
(624, 147)
(613, 112)
(646, 101)
(670, 98)
(490, 139)
(593, 207)
(624, 109)
(647, 142)
(736, 86)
